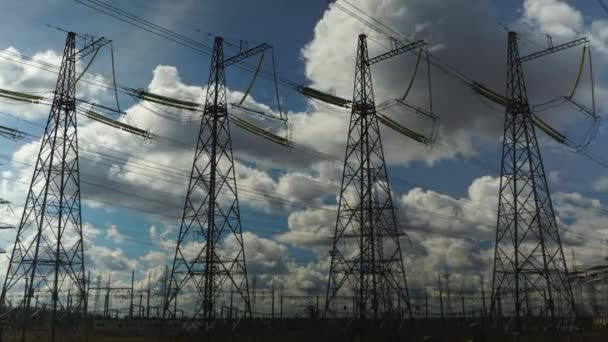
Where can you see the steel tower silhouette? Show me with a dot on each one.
(530, 286)
(211, 213)
(45, 279)
(366, 260)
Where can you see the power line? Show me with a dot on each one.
(266, 196)
(439, 146)
(190, 148)
(252, 193)
(394, 35)
(36, 63)
(173, 36)
(410, 228)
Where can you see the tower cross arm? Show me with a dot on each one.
(397, 51)
(246, 54)
(554, 49)
(92, 46)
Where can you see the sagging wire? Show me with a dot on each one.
(411, 83)
(276, 85)
(277, 94)
(239, 105)
(451, 71)
(22, 97)
(325, 97)
(591, 133)
(96, 105)
(429, 140)
(32, 62)
(580, 72)
(435, 118)
(84, 71)
(394, 35)
(390, 123)
(165, 100)
(114, 76)
(126, 127)
(90, 113)
(255, 75)
(288, 131)
(329, 158)
(252, 128)
(167, 115)
(107, 85)
(258, 112)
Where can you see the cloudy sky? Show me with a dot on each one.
(133, 191)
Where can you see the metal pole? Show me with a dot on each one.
(140, 311)
(253, 302)
(86, 296)
(25, 294)
(86, 306)
(106, 304)
(164, 294)
(449, 302)
(440, 298)
(131, 301)
(272, 310)
(148, 299)
(108, 299)
(426, 304)
(462, 296)
(483, 297)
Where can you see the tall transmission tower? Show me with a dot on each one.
(47, 257)
(366, 258)
(211, 214)
(530, 274)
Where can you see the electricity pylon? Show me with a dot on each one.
(530, 286)
(47, 258)
(211, 217)
(366, 260)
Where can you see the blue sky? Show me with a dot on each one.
(309, 54)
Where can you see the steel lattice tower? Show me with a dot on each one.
(366, 260)
(47, 260)
(211, 212)
(530, 287)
